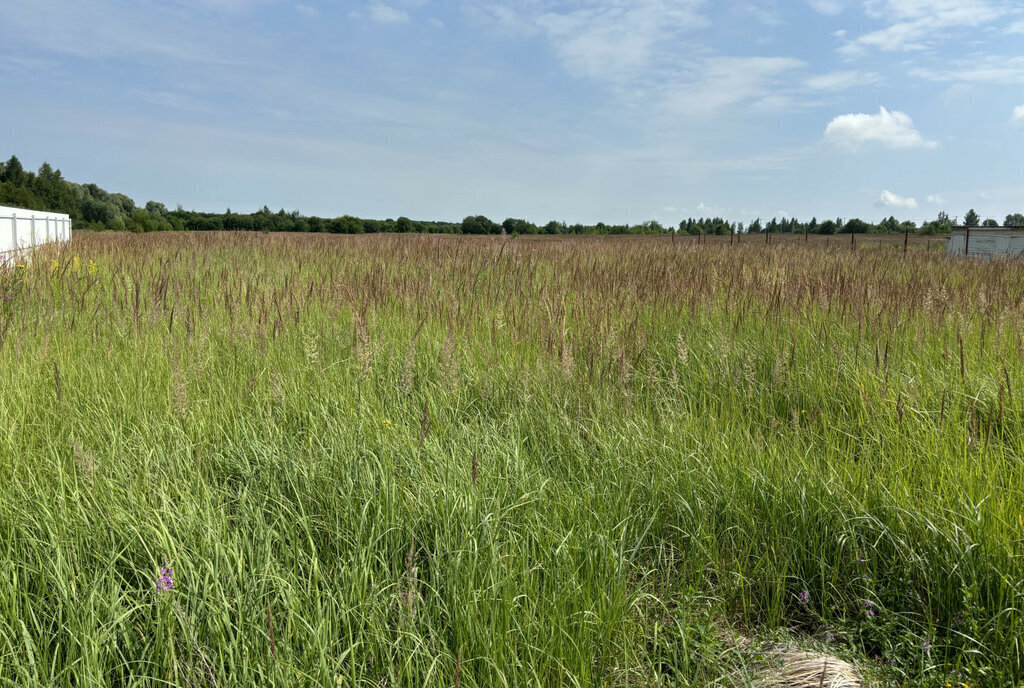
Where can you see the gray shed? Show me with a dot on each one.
(986, 242)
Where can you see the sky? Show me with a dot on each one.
(577, 110)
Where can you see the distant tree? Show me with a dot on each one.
(513, 225)
(908, 226)
(971, 219)
(828, 227)
(1014, 220)
(346, 225)
(856, 226)
(13, 172)
(404, 225)
(479, 224)
(990, 223)
(554, 227)
(940, 225)
(889, 226)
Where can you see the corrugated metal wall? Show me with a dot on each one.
(21, 230)
(987, 243)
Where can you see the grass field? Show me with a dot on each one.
(416, 461)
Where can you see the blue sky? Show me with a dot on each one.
(581, 110)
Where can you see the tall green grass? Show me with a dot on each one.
(382, 461)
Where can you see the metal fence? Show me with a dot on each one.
(23, 230)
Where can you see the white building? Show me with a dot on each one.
(22, 230)
(986, 242)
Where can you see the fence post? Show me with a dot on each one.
(14, 231)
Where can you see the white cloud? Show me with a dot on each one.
(435, 22)
(936, 199)
(718, 82)
(992, 69)
(831, 7)
(1018, 115)
(642, 51)
(384, 14)
(892, 200)
(306, 10)
(918, 24)
(615, 40)
(842, 80)
(892, 129)
(1016, 27)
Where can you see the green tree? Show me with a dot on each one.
(856, 226)
(971, 219)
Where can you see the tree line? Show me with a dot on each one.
(94, 208)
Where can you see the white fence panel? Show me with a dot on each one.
(22, 230)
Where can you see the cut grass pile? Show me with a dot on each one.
(409, 461)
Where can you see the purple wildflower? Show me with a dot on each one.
(869, 608)
(926, 645)
(804, 597)
(165, 582)
(830, 636)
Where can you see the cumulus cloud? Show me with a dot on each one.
(892, 200)
(384, 14)
(936, 198)
(1018, 115)
(893, 129)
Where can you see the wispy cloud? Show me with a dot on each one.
(615, 40)
(993, 69)
(644, 52)
(892, 129)
(717, 82)
(1018, 115)
(307, 10)
(892, 200)
(842, 80)
(831, 7)
(385, 14)
(919, 24)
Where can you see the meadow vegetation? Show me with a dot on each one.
(263, 459)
